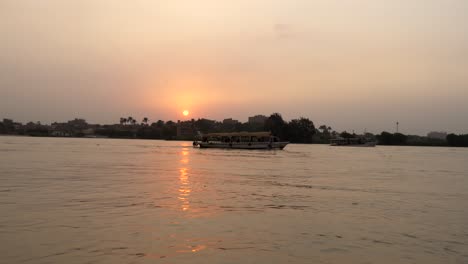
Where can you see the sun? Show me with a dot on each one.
(185, 112)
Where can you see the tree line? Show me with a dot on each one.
(299, 130)
(457, 140)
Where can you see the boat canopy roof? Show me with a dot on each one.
(239, 134)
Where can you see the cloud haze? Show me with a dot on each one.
(350, 64)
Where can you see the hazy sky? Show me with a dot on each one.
(348, 63)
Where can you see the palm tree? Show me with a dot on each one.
(145, 120)
(123, 120)
(323, 128)
(160, 123)
(129, 119)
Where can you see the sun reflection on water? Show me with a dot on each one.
(192, 249)
(184, 188)
(190, 186)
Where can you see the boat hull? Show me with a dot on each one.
(241, 145)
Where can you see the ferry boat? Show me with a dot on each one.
(353, 142)
(240, 140)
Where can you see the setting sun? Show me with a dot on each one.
(185, 112)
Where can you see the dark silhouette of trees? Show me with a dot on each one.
(326, 130)
(457, 140)
(169, 131)
(386, 138)
(323, 134)
(7, 126)
(300, 130)
(276, 125)
(414, 140)
(109, 131)
(399, 139)
(123, 120)
(158, 124)
(206, 126)
(345, 134)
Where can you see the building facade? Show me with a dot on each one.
(185, 129)
(230, 121)
(437, 135)
(257, 119)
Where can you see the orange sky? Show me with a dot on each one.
(351, 64)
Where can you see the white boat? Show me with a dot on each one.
(240, 140)
(352, 142)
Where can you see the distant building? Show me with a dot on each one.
(31, 125)
(230, 121)
(8, 123)
(437, 135)
(9, 126)
(76, 127)
(78, 123)
(88, 131)
(60, 133)
(185, 129)
(258, 119)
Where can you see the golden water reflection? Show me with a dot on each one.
(189, 188)
(184, 187)
(193, 248)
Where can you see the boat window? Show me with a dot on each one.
(245, 139)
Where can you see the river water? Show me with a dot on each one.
(136, 201)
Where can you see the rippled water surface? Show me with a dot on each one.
(135, 201)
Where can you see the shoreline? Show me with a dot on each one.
(188, 140)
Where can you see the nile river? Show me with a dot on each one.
(135, 201)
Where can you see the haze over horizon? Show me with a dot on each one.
(353, 65)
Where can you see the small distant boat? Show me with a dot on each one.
(240, 140)
(353, 142)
